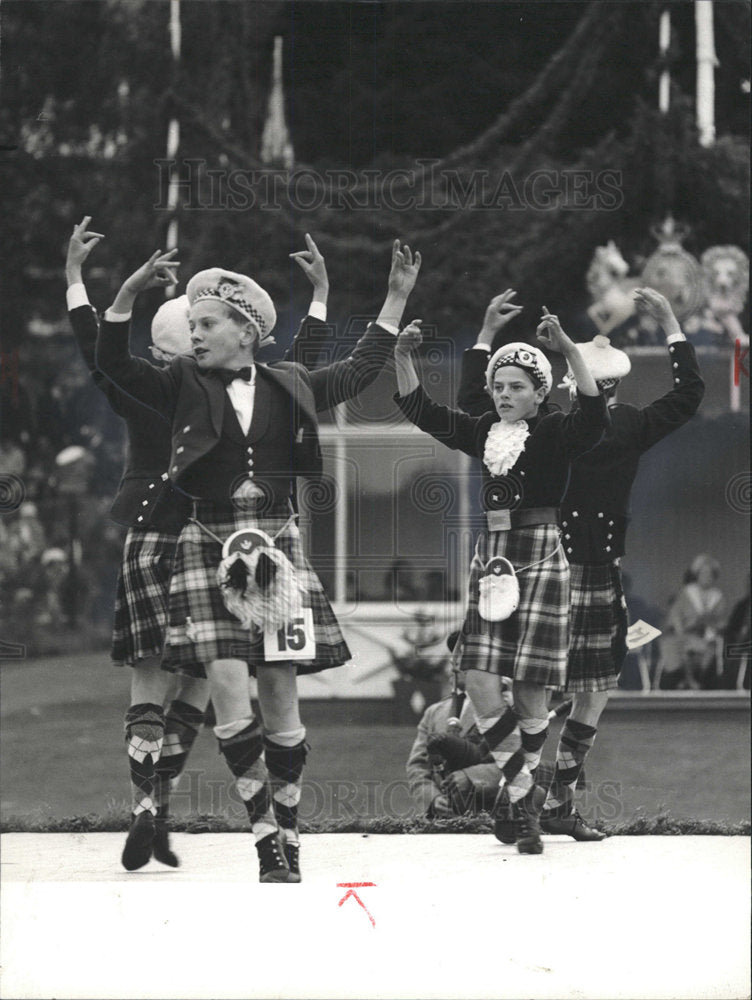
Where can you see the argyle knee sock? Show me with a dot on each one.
(533, 734)
(144, 732)
(182, 725)
(574, 743)
(504, 740)
(241, 744)
(285, 765)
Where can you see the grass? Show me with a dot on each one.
(116, 821)
(63, 766)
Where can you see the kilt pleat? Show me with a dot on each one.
(141, 599)
(201, 629)
(599, 627)
(532, 644)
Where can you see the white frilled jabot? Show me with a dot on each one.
(504, 445)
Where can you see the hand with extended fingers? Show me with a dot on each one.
(312, 263)
(157, 272)
(404, 269)
(551, 335)
(80, 245)
(500, 311)
(651, 303)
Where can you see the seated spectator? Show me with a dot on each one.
(12, 458)
(448, 771)
(49, 589)
(25, 536)
(693, 627)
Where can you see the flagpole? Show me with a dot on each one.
(173, 138)
(664, 41)
(706, 63)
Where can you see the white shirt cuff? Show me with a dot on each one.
(76, 296)
(113, 317)
(394, 330)
(318, 311)
(481, 347)
(675, 338)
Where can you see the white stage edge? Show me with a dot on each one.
(453, 916)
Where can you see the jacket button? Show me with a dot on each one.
(174, 468)
(676, 364)
(600, 513)
(610, 524)
(180, 450)
(677, 380)
(144, 503)
(575, 514)
(569, 550)
(139, 518)
(151, 486)
(186, 428)
(608, 548)
(609, 536)
(249, 450)
(567, 536)
(522, 472)
(564, 524)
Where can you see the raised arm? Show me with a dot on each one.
(551, 335)
(135, 377)
(82, 316)
(452, 427)
(345, 379)
(682, 401)
(472, 396)
(307, 345)
(585, 425)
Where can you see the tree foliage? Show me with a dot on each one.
(501, 88)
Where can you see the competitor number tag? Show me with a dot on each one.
(296, 641)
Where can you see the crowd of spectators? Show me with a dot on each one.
(61, 455)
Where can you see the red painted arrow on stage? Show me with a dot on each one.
(350, 886)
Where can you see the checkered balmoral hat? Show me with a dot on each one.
(530, 359)
(239, 292)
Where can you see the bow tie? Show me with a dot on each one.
(227, 375)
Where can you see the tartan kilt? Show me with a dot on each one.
(214, 633)
(532, 644)
(599, 627)
(141, 599)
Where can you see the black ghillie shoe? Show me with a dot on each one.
(138, 843)
(503, 818)
(572, 825)
(161, 846)
(526, 814)
(272, 864)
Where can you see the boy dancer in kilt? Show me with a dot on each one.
(241, 432)
(594, 523)
(159, 729)
(526, 466)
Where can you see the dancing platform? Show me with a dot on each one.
(378, 916)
